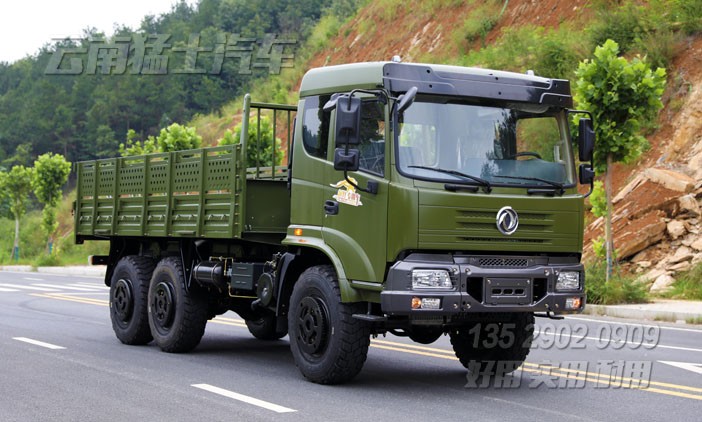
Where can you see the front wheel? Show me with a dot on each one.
(481, 346)
(329, 346)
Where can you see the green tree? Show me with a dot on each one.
(16, 185)
(624, 97)
(133, 146)
(173, 138)
(50, 174)
(259, 150)
(177, 138)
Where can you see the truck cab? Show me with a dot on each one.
(463, 200)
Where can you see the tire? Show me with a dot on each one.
(425, 335)
(480, 345)
(129, 287)
(177, 317)
(329, 346)
(264, 328)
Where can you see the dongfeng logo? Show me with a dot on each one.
(507, 220)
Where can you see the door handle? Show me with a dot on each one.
(331, 207)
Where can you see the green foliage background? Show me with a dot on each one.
(87, 116)
(260, 150)
(173, 138)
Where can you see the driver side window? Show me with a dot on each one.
(372, 145)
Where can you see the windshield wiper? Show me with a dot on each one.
(557, 187)
(482, 182)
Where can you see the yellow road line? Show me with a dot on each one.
(414, 352)
(61, 296)
(431, 351)
(567, 373)
(412, 346)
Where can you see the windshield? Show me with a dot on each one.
(462, 143)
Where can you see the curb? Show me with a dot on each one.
(629, 312)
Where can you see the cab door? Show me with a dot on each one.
(355, 222)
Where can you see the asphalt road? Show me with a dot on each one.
(60, 361)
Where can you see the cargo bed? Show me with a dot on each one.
(201, 193)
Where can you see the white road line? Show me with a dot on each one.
(662, 327)
(2, 289)
(647, 346)
(22, 287)
(694, 367)
(38, 343)
(34, 279)
(63, 287)
(246, 399)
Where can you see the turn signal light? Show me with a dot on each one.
(416, 303)
(573, 303)
(297, 232)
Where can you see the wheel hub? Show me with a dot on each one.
(123, 300)
(313, 325)
(162, 305)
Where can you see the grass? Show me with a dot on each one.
(479, 23)
(687, 286)
(663, 318)
(619, 289)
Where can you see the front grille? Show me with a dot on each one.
(503, 262)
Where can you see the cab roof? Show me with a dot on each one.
(433, 79)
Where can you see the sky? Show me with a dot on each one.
(26, 25)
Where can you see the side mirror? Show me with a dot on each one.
(346, 160)
(406, 99)
(586, 139)
(586, 174)
(348, 120)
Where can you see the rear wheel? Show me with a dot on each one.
(129, 287)
(481, 345)
(177, 317)
(329, 346)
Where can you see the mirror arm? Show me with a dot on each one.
(371, 188)
(592, 187)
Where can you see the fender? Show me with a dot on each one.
(312, 238)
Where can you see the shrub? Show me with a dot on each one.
(260, 148)
(619, 289)
(624, 25)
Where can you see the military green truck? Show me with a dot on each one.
(418, 200)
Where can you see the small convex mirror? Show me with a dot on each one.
(586, 139)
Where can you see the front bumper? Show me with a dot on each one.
(483, 284)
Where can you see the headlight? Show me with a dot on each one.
(431, 279)
(568, 280)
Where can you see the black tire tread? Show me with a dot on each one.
(186, 335)
(143, 267)
(469, 355)
(354, 339)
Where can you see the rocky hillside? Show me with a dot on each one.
(657, 221)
